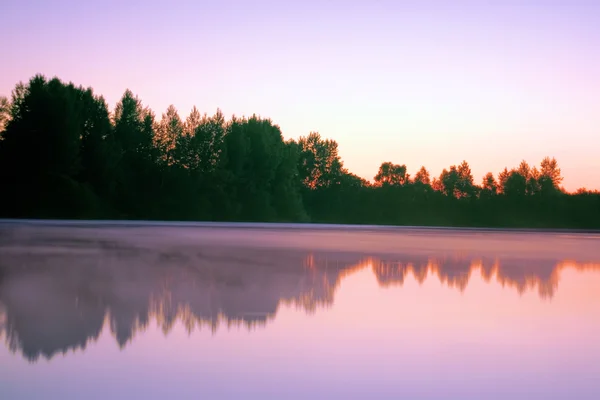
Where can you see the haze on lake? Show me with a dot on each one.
(140, 310)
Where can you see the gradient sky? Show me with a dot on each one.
(413, 82)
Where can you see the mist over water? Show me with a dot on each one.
(284, 311)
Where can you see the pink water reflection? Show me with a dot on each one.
(254, 322)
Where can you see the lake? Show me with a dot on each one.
(107, 310)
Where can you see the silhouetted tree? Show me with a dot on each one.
(40, 158)
(62, 156)
(128, 121)
(207, 143)
(391, 174)
(531, 176)
(192, 122)
(255, 162)
(136, 182)
(168, 137)
(319, 163)
(550, 176)
(524, 170)
(422, 176)
(515, 185)
(449, 181)
(98, 156)
(464, 186)
(489, 187)
(4, 112)
(502, 178)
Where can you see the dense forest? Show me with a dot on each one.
(63, 154)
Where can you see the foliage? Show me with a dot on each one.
(62, 155)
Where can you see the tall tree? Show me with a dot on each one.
(448, 182)
(98, 158)
(391, 175)
(319, 162)
(550, 174)
(185, 154)
(135, 185)
(192, 122)
(531, 176)
(170, 131)
(253, 155)
(489, 185)
(62, 156)
(206, 144)
(515, 185)
(464, 186)
(502, 178)
(422, 176)
(128, 121)
(40, 156)
(45, 128)
(524, 169)
(287, 200)
(4, 112)
(148, 136)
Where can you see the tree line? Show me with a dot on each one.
(63, 154)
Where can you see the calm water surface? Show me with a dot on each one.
(139, 311)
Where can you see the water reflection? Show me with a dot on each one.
(56, 296)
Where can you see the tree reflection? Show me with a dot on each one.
(55, 302)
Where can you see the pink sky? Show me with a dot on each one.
(413, 82)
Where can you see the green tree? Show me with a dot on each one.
(98, 158)
(550, 176)
(4, 113)
(464, 185)
(192, 122)
(61, 156)
(170, 131)
(40, 158)
(287, 199)
(207, 143)
(502, 178)
(128, 124)
(255, 159)
(320, 165)
(45, 128)
(391, 174)
(422, 176)
(137, 178)
(489, 186)
(448, 182)
(515, 185)
(531, 176)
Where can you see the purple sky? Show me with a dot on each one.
(413, 82)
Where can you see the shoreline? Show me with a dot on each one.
(282, 226)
